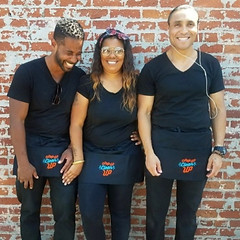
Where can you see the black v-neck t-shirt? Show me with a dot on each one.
(181, 135)
(107, 123)
(33, 84)
(110, 155)
(180, 98)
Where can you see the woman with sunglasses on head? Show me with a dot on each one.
(104, 116)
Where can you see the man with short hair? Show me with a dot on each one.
(176, 125)
(41, 97)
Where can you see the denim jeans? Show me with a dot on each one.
(189, 195)
(91, 201)
(63, 199)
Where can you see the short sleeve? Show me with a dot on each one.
(20, 88)
(145, 84)
(85, 87)
(216, 83)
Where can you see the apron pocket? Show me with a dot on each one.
(45, 160)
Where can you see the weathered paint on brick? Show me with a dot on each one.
(26, 30)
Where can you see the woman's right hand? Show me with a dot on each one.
(153, 165)
(72, 173)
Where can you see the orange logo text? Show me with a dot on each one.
(51, 161)
(107, 168)
(187, 164)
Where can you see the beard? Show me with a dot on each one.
(60, 63)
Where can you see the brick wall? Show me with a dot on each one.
(26, 27)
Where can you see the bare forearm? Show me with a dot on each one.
(18, 138)
(152, 162)
(76, 142)
(144, 128)
(219, 127)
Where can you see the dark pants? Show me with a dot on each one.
(63, 199)
(189, 195)
(91, 201)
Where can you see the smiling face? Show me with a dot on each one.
(183, 28)
(113, 62)
(68, 53)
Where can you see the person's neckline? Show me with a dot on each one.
(57, 78)
(193, 59)
(111, 83)
(111, 92)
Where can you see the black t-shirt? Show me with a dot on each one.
(107, 123)
(33, 84)
(180, 98)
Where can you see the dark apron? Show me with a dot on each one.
(44, 152)
(183, 154)
(122, 164)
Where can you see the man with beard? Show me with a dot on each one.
(41, 97)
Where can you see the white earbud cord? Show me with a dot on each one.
(206, 80)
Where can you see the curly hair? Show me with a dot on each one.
(128, 72)
(67, 27)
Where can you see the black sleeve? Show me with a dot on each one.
(85, 87)
(216, 83)
(20, 88)
(145, 83)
